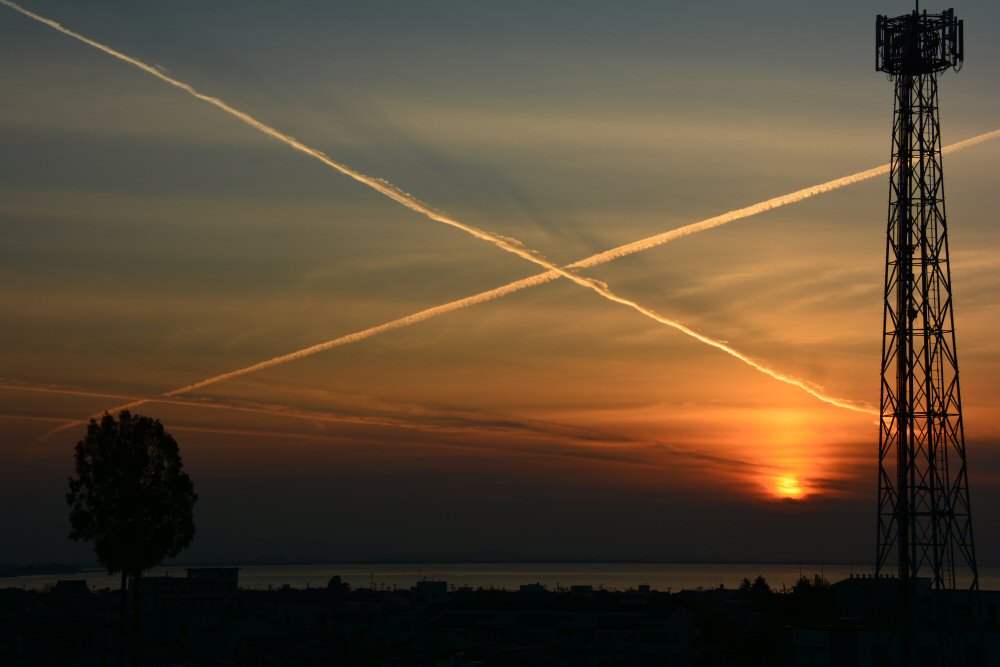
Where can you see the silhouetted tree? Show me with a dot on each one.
(337, 587)
(132, 499)
(760, 593)
(760, 587)
(813, 601)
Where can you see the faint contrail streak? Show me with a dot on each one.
(580, 436)
(270, 409)
(387, 189)
(577, 452)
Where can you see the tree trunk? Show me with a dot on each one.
(122, 620)
(136, 636)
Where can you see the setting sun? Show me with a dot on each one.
(789, 487)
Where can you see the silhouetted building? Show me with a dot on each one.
(203, 589)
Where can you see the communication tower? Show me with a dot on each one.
(924, 518)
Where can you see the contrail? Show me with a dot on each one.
(509, 245)
(597, 259)
(482, 297)
(380, 185)
(760, 207)
(270, 409)
(398, 323)
(58, 389)
(233, 405)
(617, 252)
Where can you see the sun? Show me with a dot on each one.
(789, 487)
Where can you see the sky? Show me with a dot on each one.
(150, 240)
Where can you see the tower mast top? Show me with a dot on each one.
(914, 44)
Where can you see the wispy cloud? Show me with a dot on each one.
(547, 439)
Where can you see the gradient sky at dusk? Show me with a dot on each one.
(150, 241)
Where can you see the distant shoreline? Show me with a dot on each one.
(509, 561)
(555, 575)
(18, 570)
(43, 569)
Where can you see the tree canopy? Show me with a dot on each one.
(131, 496)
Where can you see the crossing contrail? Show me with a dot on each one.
(392, 192)
(509, 245)
(597, 259)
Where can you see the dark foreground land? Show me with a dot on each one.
(205, 619)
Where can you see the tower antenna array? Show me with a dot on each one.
(924, 516)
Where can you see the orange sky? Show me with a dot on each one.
(152, 241)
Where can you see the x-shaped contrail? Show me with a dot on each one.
(552, 272)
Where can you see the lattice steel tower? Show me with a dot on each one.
(924, 519)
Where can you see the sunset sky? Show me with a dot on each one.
(150, 241)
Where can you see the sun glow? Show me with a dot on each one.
(797, 450)
(789, 487)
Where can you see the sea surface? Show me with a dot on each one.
(508, 576)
